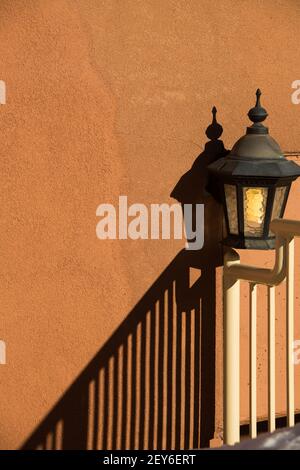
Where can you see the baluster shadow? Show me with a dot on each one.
(152, 385)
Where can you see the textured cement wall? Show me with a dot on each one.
(108, 97)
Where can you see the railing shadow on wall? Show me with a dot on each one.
(152, 385)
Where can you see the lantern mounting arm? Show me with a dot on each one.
(285, 230)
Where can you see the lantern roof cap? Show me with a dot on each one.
(256, 154)
(256, 146)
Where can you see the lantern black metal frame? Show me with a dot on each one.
(266, 240)
(255, 161)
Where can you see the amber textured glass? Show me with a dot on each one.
(231, 204)
(255, 201)
(278, 202)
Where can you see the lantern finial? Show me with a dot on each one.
(257, 115)
(258, 95)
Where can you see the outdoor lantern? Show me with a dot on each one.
(253, 181)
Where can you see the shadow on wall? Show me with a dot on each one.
(152, 385)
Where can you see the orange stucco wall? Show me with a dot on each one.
(110, 97)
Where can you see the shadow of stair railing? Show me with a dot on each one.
(152, 385)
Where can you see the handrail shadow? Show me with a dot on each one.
(152, 384)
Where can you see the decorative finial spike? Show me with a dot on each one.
(258, 95)
(257, 115)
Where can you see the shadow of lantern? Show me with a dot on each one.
(152, 384)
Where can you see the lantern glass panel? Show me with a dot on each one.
(231, 204)
(278, 203)
(255, 201)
